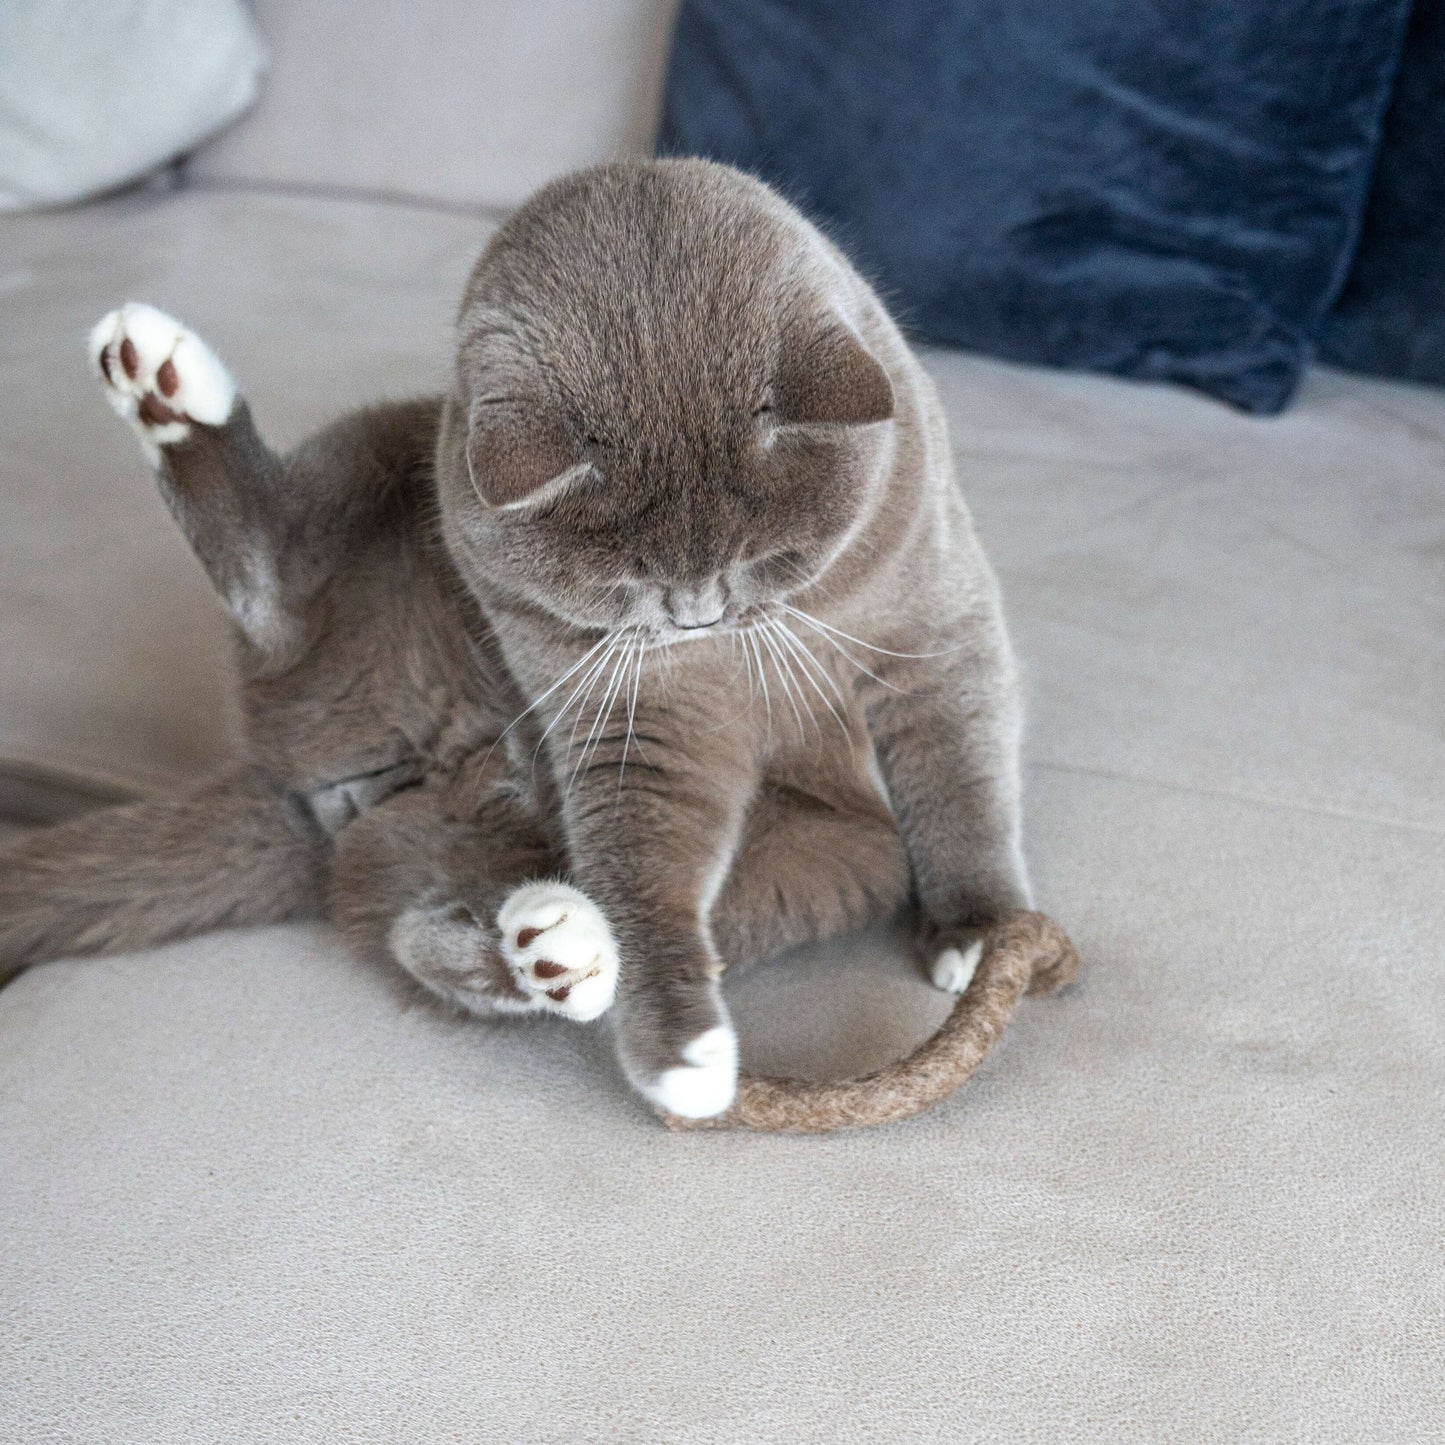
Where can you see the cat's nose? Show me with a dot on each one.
(693, 607)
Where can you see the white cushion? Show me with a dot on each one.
(94, 93)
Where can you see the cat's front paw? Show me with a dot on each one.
(705, 1083)
(159, 376)
(560, 949)
(955, 960)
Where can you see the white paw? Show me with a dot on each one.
(158, 376)
(706, 1084)
(954, 968)
(560, 949)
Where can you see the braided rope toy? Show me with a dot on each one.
(1024, 952)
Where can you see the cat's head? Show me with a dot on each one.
(661, 420)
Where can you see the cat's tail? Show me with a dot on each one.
(1024, 952)
(235, 851)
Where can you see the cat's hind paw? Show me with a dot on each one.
(560, 949)
(159, 376)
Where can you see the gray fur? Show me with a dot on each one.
(680, 424)
(673, 395)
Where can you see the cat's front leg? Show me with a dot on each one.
(654, 850)
(947, 740)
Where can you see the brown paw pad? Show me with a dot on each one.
(545, 968)
(154, 412)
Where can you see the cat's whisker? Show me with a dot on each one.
(795, 692)
(613, 658)
(747, 665)
(604, 711)
(843, 652)
(577, 722)
(765, 637)
(808, 659)
(616, 688)
(809, 665)
(631, 710)
(587, 682)
(750, 641)
(858, 641)
(541, 698)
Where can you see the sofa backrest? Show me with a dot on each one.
(474, 102)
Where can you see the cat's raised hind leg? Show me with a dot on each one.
(222, 483)
(805, 871)
(271, 531)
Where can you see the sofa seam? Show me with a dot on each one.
(352, 195)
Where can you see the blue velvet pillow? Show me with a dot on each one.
(1164, 188)
(1391, 317)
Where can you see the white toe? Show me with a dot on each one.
(106, 330)
(707, 1084)
(196, 387)
(560, 948)
(954, 968)
(207, 389)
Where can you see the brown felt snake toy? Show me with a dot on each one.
(1024, 952)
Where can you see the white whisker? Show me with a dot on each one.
(750, 640)
(604, 711)
(747, 666)
(770, 626)
(805, 658)
(582, 690)
(843, 651)
(858, 641)
(765, 637)
(538, 701)
(631, 710)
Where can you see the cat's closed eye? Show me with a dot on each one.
(786, 561)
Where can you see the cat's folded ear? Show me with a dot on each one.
(826, 375)
(513, 452)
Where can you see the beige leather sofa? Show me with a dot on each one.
(252, 1191)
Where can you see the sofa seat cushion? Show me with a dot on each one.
(256, 1191)
(255, 1194)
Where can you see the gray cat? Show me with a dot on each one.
(673, 596)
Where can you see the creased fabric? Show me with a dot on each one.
(1170, 191)
(1391, 317)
